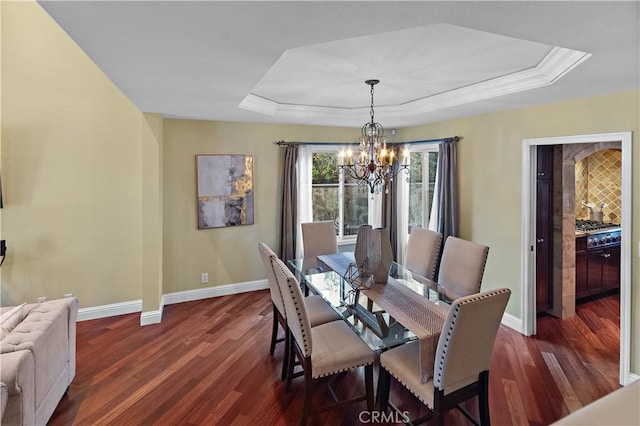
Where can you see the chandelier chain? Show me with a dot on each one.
(371, 112)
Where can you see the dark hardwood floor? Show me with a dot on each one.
(208, 363)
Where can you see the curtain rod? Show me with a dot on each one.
(424, 141)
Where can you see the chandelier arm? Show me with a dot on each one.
(371, 184)
(393, 172)
(352, 171)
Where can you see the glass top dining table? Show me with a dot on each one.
(328, 276)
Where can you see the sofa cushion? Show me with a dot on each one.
(44, 332)
(10, 319)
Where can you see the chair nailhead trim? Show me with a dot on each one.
(344, 369)
(304, 336)
(410, 390)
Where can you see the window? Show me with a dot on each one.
(416, 194)
(337, 197)
(325, 194)
(422, 180)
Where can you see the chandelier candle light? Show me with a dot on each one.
(376, 164)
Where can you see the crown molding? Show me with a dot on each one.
(557, 63)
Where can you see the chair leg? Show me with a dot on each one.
(274, 330)
(382, 395)
(483, 399)
(308, 384)
(303, 284)
(368, 384)
(291, 362)
(438, 396)
(285, 359)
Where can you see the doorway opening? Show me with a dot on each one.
(529, 241)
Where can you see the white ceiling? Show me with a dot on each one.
(306, 62)
(424, 69)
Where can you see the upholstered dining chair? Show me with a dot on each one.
(461, 267)
(319, 238)
(422, 251)
(319, 311)
(322, 351)
(462, 359)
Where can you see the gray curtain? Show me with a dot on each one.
(447, 190)
(289, 202)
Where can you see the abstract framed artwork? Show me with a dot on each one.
(225, 190)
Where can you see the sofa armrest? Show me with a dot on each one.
(70, 306)
(617, 408)
(4, 396)
(17, 372)
(73, 318)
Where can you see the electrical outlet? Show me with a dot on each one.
(68, 295)
(42, 299)
(204, 278)
(3, 247)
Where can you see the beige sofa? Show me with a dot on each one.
(37, 359)
(621, 407)
(4, 396)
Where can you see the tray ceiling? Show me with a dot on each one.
(421, 70)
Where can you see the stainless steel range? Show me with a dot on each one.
(600, 234)
(597, 258)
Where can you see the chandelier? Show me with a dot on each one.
(375, 164)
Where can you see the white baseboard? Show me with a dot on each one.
(217, 291)
(155, 317)
(632, 378)
(513, 322)
(151, 317)
(111, 310)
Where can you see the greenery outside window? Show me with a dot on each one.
(337, 197)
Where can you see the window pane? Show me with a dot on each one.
(432, 167)
(415, 190)
(356, 206)
(325, 183)
(422, 180)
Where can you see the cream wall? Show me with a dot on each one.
(489, 161)
(71, 169)
(229, 255)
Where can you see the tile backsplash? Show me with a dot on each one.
(599, 180)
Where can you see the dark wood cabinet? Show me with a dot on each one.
(544, 228)
(544, 165)
(597, 270)
(611, 268)
(581, 266)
